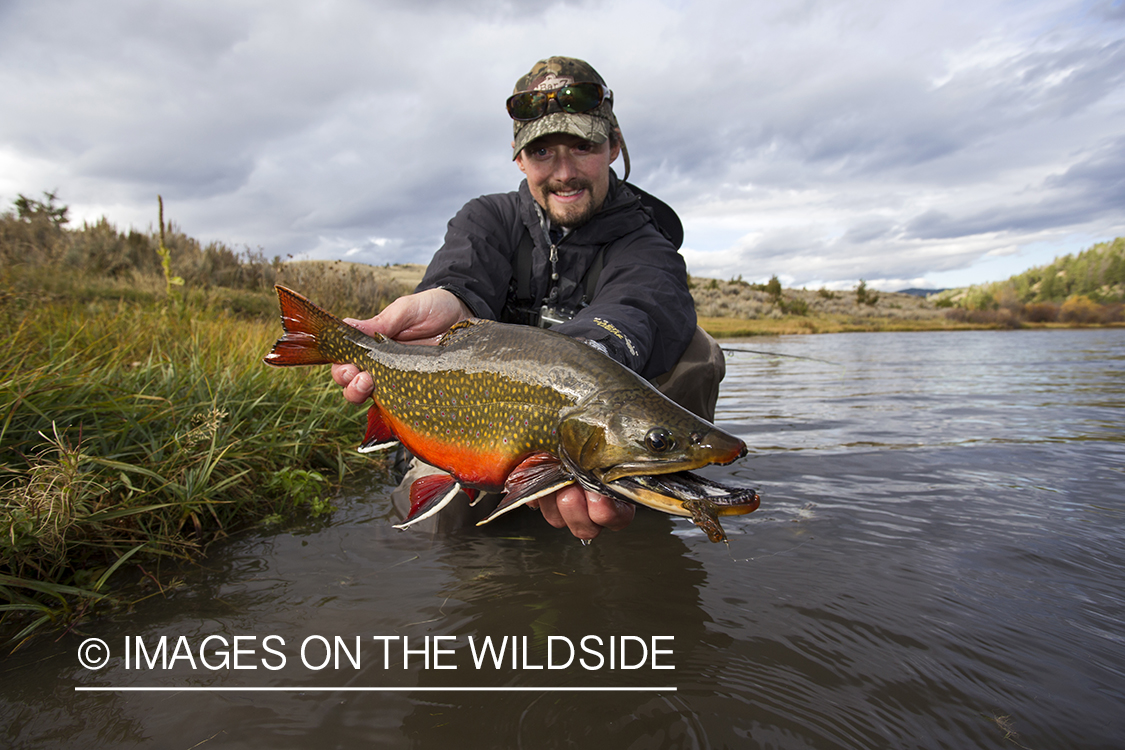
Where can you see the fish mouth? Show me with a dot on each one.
(645, 468)
(664, 467)
(669, 493)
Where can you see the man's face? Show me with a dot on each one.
(568, 176)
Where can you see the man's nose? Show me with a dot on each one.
(565, 166)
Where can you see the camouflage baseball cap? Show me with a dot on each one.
(553, 73)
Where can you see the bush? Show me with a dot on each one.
(794, 306)
(999, 318)
(1041, 312)
(1081, 309)
(978, 298)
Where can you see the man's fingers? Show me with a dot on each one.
(343, 374)
(359, 388)
(584, 513)
(572, 506)
(609, 512)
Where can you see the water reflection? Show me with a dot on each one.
(615, 587)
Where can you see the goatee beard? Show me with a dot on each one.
(580, 214)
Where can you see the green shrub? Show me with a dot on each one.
(865, 296)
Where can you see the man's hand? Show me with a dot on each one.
(419, 318)
(585, 513)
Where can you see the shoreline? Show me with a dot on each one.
(731, 328)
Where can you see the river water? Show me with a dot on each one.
(937, 563)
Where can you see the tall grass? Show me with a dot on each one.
(138, 424)
(136, 427)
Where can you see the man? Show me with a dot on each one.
(574, 249)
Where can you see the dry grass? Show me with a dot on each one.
(736, 308)
(406, 275)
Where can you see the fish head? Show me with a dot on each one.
(635, 432)
(640, 446)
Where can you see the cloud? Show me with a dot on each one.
(823, 142)
(1087, 191)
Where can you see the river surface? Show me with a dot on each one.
(938, 562)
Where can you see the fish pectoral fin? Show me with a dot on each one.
(428, 495)
(378, 436)
(539, 474)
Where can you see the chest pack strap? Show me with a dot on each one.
(523, 272)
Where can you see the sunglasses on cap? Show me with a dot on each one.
(575, 99)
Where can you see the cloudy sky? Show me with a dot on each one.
(921, 143)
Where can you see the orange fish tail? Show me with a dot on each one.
(306, 327)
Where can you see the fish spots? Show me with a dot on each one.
(482, 412)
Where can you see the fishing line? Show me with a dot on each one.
(441, 611)
(772, 554)
(732, 350)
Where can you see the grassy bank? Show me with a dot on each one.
(136, 428)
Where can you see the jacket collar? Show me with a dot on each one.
(620, 214)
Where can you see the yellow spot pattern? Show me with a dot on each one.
(481, 423)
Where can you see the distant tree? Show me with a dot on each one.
(1115, 270)
(773, 289)
(1051, 287)
(864, 296)
(29, 209)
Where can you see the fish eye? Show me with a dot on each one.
(659, 440)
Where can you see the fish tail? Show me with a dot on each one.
(312, 336)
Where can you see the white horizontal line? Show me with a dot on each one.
(205, 689)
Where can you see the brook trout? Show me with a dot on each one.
(522, 411)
